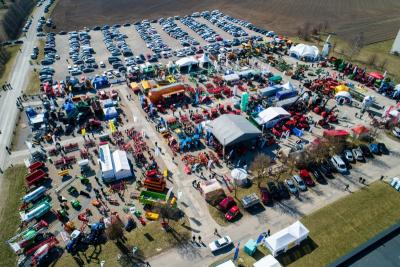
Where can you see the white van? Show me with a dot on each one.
(339, 164)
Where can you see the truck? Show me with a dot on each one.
(35, 177)
(151, 198)
(250, 200)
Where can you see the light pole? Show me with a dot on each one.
(223, 150)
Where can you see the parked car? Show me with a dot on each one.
(291, 186)
(232, 213)
(366, 151)
(349, 155)
(396, 132)
(318, 175)
(339, 164)
(305, 175)
(220, 243)
(358, 154)
(326, 172)
(283, 191)
(273, 190)
(374, 149)
(383, 149)
(266, 198)
(227, 203)
(300, 183)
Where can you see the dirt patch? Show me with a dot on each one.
(378, 20)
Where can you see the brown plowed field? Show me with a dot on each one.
(378, 19)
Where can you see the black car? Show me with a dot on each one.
(366, 151)
(273, 190)
(283, 191)
(317, 174)
(326, 172)
(329, 166)
(383, 149)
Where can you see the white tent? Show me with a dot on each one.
(304, 51)
(186, 62)
(289, 86)
(231, 77)
(267, 261)
(228, 263)
(239, 176)
(280, 242)
(121, 165)
(343, 97)
(271, 116)
(205, 60)
(107, 171)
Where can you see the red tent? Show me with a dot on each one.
(376, 75)
(360, 129)
(335, 133)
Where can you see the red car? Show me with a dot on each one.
(232, 213)
(305, 175)
(227, 203)
(265, 196)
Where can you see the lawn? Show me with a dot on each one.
(150, 240)
(340, 227)
(33, 87)
(13, 50)
(12, 192)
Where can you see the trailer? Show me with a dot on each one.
(35, 177)
(250, 200)
(23, 239)
(34, 195)
(35, 213)
(36, 166)
(152, 198)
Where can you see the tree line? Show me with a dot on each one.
(14, 17)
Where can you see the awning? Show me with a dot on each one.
(376, 75)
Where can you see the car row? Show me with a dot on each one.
(49, 50)
(170, 27)
(115, 42)
(81, 53)
(27, 25)
(151, 37)
(46, 74)
(47, 7)
(201, 29)
(221, 22)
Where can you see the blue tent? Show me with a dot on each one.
(100, 82)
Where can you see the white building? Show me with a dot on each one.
(396, 44)
(121, 165)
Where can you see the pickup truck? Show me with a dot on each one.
(250, 200)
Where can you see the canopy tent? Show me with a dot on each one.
(280, 241)
(228, 263)
(106, 165)
(341, 88)
(289, 86)
(231, 129)
(271, 116)
(239, 176)
(359, 131)
(121, 165)
(205, 61)
(308, 52)
(110, 113)
(186, 62)
(267, 261)
(211, 190)
(376, 75)
(343, 97)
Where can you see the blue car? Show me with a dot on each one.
(374, 149)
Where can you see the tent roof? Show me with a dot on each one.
(376, 75)
(210, 186)
(286, 236)
(204, 58)
(231, 77)
(267, 261)
(120, 161)
(228, 263)
(303, 50)
(230, 129)
(343, 94)
(360, 129)
(335, 133)
(272, 113)
(186, 61)
(289, 86)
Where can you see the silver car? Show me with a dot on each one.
(300, 183)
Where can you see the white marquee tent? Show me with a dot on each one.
(304, 51)
(271, 116)
(106, 164)
(204, 60)
(186, 62)
(267, 261)
(121, 165)
(280, 242)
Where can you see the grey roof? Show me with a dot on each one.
(231, 129)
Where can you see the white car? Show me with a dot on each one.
(220, 243)
(358, 154)
(116, 73)
(339, 164)
(396, 132)
(109, 75)
(101, 64)
(348, 155)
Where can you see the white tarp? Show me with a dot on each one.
(231, 77)
(267, 261)
(289, 86)
(303, 50)
(106, 164)
(271, 116)
(121, 165)
(293, 234)
(186, 62)
(228, 263)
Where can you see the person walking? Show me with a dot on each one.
(346, 188)
(199, 237)
(215, 231)
(269, 232)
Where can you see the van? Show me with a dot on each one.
(339, 164)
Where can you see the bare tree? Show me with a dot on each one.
(115, 230)
(260, 166)
(356, 45)
(383, 64)
(372, 59)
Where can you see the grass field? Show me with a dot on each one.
(13, 50)
(342, 226)
(13, 190)
(33, 87)
(150, 240)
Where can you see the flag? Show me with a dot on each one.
(236, 255)
(83, 131)
(261, 238)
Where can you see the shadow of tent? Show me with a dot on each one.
(306, 246)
